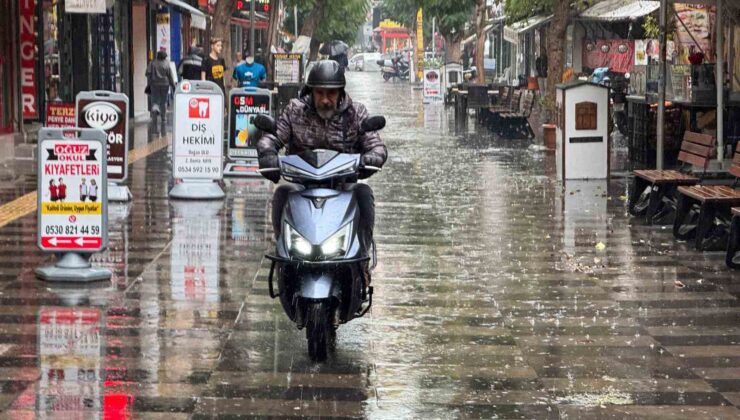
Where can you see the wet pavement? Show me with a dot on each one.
(499, 293)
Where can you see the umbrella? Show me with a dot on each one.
(335, 47)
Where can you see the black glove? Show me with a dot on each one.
(270, 162)
(371, 159)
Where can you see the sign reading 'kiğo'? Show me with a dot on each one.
(107, 111)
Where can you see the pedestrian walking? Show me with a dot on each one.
(159, 78)
(213, 65)
(190, 66)
(93, 191)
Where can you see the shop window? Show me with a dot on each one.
(586, 116)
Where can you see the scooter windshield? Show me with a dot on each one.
(319, 165)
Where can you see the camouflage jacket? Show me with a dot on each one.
(300, 128)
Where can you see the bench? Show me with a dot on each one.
(504, 100)
(516, 124)
(733, 242)
(703, 211)
(494, 113)
(654, 191)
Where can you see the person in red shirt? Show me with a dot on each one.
(62, 190)
(53, 191)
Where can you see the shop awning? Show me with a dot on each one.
(486, 29)
(512, 32)
(197, 18)
(619, 10)
(246, 23)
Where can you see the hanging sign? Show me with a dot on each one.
(197, 145)
(29, 60)
(85, 6)
(72, 187)
(107, 111)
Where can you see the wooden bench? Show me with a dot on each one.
(703, 211)
(504, 100)
(733, 242)
(494, 113)
(654, 191)
(516, 124)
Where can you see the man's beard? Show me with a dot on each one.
(326, 113)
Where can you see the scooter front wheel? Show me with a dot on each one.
(318, 331)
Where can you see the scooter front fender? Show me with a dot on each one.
(317, 285)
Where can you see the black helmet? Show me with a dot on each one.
(326, 74)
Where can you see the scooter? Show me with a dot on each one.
(394, 68)
(319, 256)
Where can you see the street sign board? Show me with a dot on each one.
(60, 114)
(107, 111)
(432, 86)
(72, 190)
(244, 105)
(288, 68)
(197, 145)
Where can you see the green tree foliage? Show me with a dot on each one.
(402, 11)
(516, 10)
(341, 19)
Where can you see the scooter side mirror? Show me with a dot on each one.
(374, 123)
(265, 123)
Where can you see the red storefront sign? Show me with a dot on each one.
(617, 54)
(28, 59)
(60, 115)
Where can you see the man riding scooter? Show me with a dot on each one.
(324, 117)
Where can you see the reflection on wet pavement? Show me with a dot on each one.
(499, 293)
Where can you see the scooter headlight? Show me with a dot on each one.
(296, 243)
(337, 244)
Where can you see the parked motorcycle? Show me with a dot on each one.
(319, 256)
(395, 67)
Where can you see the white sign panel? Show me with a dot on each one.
(163, 33)
(198, 131)
(72, 188)
(432, 85)
(84, 6)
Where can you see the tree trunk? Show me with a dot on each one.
(312, 21)
(453, 49)
(272, 37)
(556, 55)
(480, 40)
(220, 28)
(314, 52)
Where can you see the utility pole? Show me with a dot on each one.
(660, 120)
(295, 21)
(251, 29)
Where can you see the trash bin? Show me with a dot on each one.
(582, 131)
